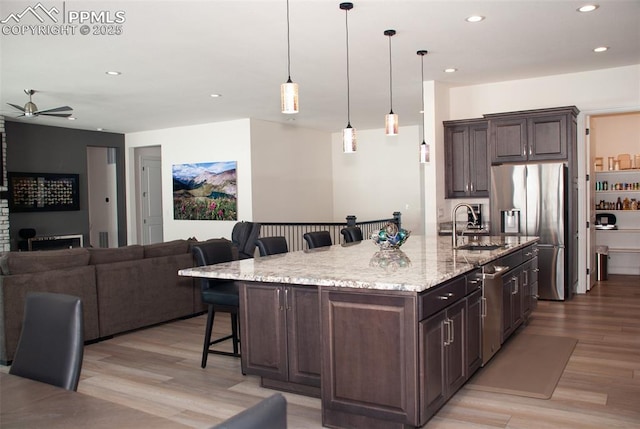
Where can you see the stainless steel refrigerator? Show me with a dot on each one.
(531, 199)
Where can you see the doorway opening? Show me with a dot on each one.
(102, 189)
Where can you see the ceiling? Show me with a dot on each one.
(174, 54)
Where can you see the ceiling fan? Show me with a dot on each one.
(30, 110)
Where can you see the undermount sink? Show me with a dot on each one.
(481, 246)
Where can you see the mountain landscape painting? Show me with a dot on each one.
(205, 191)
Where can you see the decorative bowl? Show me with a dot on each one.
(390, 260)
(390, 236)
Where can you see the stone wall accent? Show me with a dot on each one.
(5, 242)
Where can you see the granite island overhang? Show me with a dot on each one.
(385, 338)
(421, 263)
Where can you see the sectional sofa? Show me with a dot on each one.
(121, 289)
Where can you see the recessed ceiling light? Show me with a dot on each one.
(588, 8)
(71, 118)
(475, 18)
(99, 129)
(216, 95)
(450, 70)
(113, 73)
(601, 49)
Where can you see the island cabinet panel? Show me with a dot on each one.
(466, 158)
(280, 335)
(512, 315)
(369, 368)
(442, 351)
(474, 332)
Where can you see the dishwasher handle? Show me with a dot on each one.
(496, 274)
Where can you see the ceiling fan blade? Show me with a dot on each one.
(20, 108)
(59, 115)
(56, 109)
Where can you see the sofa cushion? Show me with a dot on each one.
(77, 281)
(38, 261)
(169, 248)
(116, 254)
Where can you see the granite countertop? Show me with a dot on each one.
(421, 263)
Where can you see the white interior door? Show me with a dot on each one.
(151, 200)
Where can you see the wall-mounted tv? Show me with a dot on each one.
(41, 192)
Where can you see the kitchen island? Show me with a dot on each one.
(385, 338)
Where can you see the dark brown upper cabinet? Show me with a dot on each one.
(466, 158)
(533, 135)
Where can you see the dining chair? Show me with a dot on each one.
(269, 413)
(272, 245)
(351, 234)
(317, 239)
(219, 295)
(244, 235)
(51, 344)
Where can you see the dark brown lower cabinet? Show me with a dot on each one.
(280, 336)
(385, 359)
(442, 357)
(474, 332)
(369, 370)
(511, 302)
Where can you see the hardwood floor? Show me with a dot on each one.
(157, 370)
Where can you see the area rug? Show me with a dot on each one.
(526, 365)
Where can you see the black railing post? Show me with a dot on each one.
(397, 218)
(351, 220)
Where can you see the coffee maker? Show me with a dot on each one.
(477, 222)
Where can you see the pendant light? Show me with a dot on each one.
(289, 90)
(391, 119)
(348, 133)
(424, 147)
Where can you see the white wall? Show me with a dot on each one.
(381, 177)
(223, 141)
(593, 90)
(291, 173)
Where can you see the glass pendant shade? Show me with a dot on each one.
(391, 124)
(349, 139)
(289, 97)
(424, 153)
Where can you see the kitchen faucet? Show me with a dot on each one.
(454, 238)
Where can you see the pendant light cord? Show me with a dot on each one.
(422, 82)
(288, 46)
(346, 20)
(390, 78)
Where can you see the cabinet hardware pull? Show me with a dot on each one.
(483, 307)
(451, 329)
(515, 286)
(536, 270)
(446, 327)
(471, 186)
(286, 299)
(466, 187)
(446, 296)
(280, 306)
(528, 254)
(530, 151)
(526, 278)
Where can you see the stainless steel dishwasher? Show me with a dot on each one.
(491, 310)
